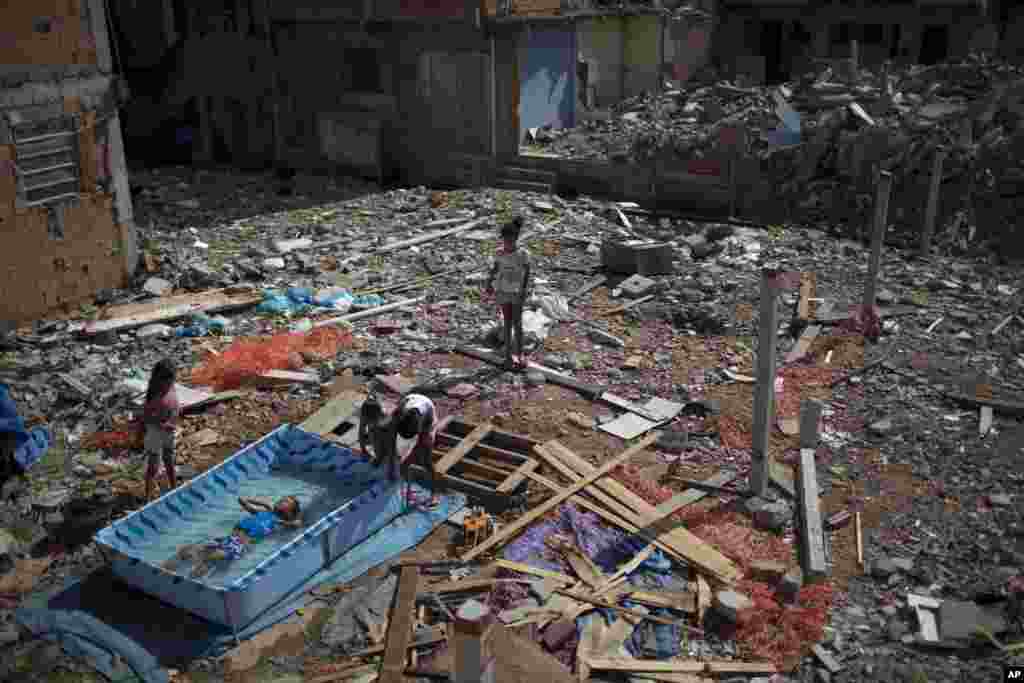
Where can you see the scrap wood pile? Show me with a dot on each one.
(813, 137)
(597, 578)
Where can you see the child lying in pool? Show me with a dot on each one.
(263, 521)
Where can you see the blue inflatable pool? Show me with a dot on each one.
(344, 501)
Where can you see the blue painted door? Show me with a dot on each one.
(547, 77)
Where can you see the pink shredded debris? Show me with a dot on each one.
(783, 634)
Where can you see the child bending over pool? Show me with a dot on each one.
(263, 521)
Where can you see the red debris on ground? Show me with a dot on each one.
(248, 358)
(782, 634)
(120, 440)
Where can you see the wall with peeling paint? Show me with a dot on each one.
(60, 249)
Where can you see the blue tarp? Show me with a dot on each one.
(31, 444)
(176, 637)
(81, 635)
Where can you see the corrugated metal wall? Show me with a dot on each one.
(547, 76)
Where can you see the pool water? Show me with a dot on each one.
(318, 493)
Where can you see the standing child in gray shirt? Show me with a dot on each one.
(511, 269)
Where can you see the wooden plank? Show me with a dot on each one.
(678, 600)
(339, 409)
(465, 446)
(518, 476)
(703, 598)
(690, 496)
(679, 539)
(598, 602)
(552, 377)
(803, 344)
(283, 378)
(620, 520)
(511, 458)
(509, 531)
(512, 442)
(400, 626)
(535, 571)
(741, 668)
(428, 238)
(812, 539)
(165, 309)
(435, 635)
(652, 665)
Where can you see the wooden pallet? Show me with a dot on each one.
(490, 466)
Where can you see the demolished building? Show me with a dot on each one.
(65, 203)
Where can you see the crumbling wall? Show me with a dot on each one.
(60, 250)
(46, 32)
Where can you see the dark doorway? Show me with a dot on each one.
(894, 44)
(934, 44)
(771, 50)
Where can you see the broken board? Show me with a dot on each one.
(164, 309)
(335, 412)
(642, 515)
(488, 465)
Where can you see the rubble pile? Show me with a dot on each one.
(816, 139)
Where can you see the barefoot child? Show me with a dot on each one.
(159, 416)
(512, 270)
(415, 417)
(263, 521)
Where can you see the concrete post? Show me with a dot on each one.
(472, 659)
(932, 208)
(764, 398)
(878, 238)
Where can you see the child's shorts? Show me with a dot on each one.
(231, 546)
(158, 443)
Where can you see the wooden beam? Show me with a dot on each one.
(507, 532)
(741, 668)
(641, 517)
(517, 477)
(764, 399)
(692, 495)
(589, 391)
(339, 409)
(435, 635)
(535, 571)
(400, 626)
(878, 236)
(640, 665)
(679, 600)
(598, 602)
(465, 446)
(429, 238)
(812, 539)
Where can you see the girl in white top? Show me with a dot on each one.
(511, 269)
